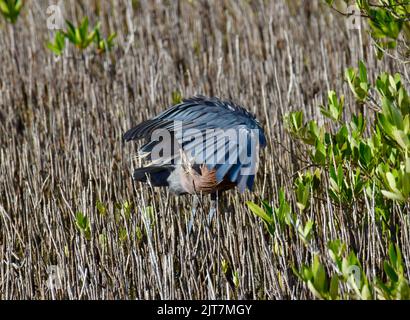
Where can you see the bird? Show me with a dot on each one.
(200, 145)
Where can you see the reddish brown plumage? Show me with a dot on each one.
(204, 182)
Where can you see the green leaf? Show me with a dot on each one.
(302, 195)
(390, 272)
(401, 138)
(78, 40)
(383, 288)
(403, 290)
(18, 6)
(259, 211)
(53, 48)
(334, 287)
(307, 273)
(4, 8)
(362, 72)
(308, 229)
(365, 154)
(59, 43)
(392, 113)
(320, 153)
(176, 97)
(83, 225)
(102, 210)
(366, 293)
(83, 29)
(315, 292)
(111, 37)
(406, 178)
(10, 9)
(392, 256)
(358, 82)
(319, 275)
(391, 180)
(298, 274)
(393, 195)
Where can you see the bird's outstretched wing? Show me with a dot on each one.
(219, 133)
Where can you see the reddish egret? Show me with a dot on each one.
(201, 145)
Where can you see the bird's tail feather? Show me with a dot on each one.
(157, 175)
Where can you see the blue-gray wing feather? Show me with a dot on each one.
(202, 113)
